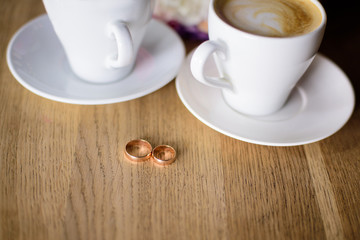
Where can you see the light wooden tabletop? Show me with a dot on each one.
(63, 174)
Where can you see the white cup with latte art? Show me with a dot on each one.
(261, 49)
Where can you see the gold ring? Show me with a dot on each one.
(163, 155)
(138, 150)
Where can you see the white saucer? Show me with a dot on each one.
(37, 60)
(319, 106)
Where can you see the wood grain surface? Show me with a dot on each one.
(63, 174)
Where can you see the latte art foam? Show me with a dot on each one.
(274, 18)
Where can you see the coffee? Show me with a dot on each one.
(272, 18)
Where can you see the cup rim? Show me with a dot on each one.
(253, 35)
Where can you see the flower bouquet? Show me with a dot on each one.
(187, 17)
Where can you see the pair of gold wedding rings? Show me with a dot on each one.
(140, 150)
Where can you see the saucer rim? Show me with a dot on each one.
(346, 118)
(90, 101)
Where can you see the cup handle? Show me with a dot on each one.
(125, 49)
(198, 61)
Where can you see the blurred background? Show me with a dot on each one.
(342, 39)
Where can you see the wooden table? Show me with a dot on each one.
(63, 175)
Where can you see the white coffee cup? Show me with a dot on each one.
(257, 72)
(101, 38)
